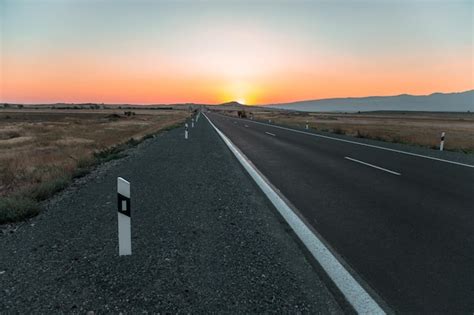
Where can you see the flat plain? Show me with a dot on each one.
(42, 149)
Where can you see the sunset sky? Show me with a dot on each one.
(211, 52)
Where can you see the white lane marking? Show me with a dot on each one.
(246, 126)
(357, 296)
(367, 145)
(374, 166)
(269, 133)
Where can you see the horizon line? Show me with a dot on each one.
(230, 101)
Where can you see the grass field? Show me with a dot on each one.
(42, 150)
(416, 128)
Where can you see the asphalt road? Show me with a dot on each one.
(204, 238)
(404, 224)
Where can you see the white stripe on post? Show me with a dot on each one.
(307, 127)
(186, 131)
(441, 146)
(124, 216)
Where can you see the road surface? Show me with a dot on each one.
(403, 224)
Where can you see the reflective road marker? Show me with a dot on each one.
(441, 146)
(124, 216)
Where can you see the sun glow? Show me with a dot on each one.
(275, 54)
(248, 92)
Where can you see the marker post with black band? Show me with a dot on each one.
(441, 146)
(124, 216)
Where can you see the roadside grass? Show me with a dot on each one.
(17, 208)
(46, 189)
(40, 156)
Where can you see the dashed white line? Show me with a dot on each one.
(246, 126)
(271, 134)
(367, 145)
(357, 296)
(374, 166)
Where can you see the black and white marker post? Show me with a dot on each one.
(192, 122)
(307, 126)
(124, 216)
(186, 131)
(441, 146)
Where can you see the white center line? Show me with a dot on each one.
(374, 166)
(269, 133)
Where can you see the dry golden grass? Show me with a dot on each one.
(423, 129)
(40, 150)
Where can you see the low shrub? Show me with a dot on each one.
(16, 208)
(9, 135)
(109, 154)
(85, 163)
(361, 135)
(339, 131)
(47, 189)
(132, 142)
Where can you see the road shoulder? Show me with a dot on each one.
(205, 239)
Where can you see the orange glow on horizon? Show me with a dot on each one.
(195, 52)
(90, 79)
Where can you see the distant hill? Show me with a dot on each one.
(230, 106)
(436, 102)
(233, 103)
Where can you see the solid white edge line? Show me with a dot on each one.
(355, 294)
(374, 166)
(365, 144)
(269, 133)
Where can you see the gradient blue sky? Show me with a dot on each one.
(256, 52)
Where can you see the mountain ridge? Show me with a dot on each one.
(437, 101)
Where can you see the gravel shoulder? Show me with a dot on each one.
(205, 239)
